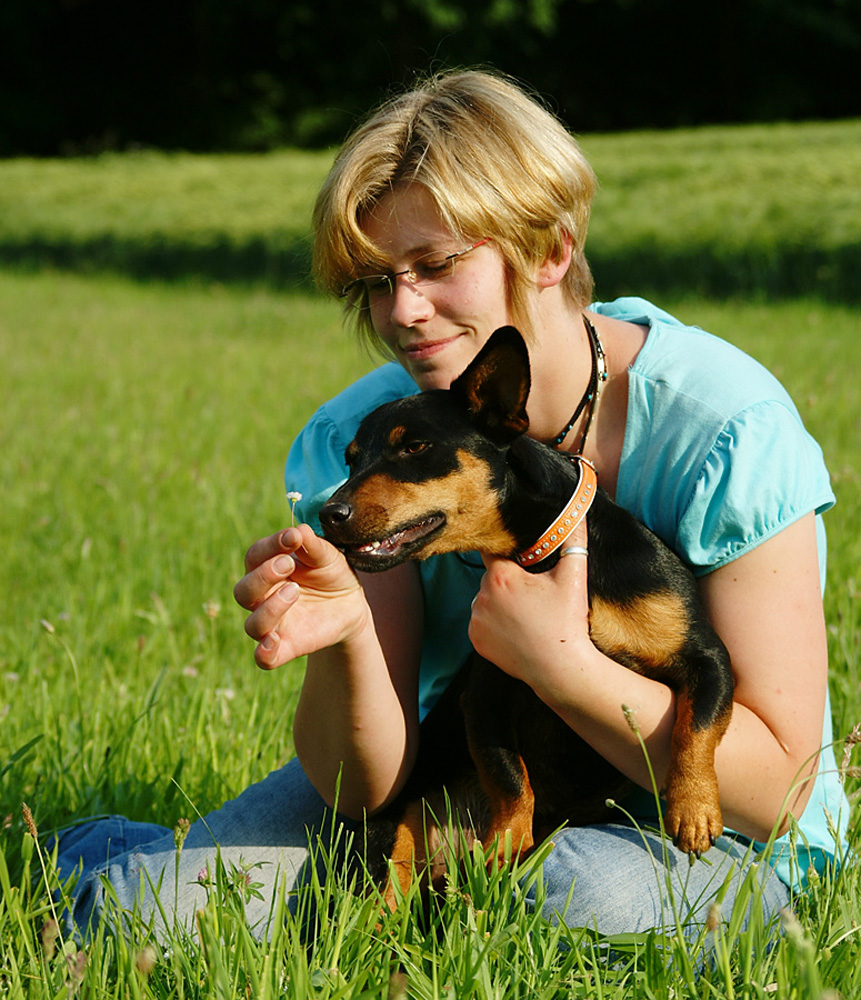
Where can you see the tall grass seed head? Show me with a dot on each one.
(49, 934)
(76, 963)
(398, 986)
(29, 822)
(180, 832)
(713, 918)
(852, 740)
(146, 960)
(631, 719)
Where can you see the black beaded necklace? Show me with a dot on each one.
(593, 388)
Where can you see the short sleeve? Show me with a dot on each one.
(763, 472)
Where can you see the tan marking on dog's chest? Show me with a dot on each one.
(651, 628)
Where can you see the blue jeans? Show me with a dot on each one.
(618, 873)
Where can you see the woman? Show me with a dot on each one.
(457, 208)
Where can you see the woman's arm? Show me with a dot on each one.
(767, 608)
(358, 710)
(357, 715)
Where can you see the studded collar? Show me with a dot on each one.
(563, 526)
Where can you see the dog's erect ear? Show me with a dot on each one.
(495, 386)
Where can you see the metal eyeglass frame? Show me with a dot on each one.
(361, 289)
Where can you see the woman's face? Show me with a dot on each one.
(434, 329)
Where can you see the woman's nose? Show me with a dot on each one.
(409, 303)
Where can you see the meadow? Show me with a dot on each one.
(160, 345)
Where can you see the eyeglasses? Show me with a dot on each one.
(428, 268)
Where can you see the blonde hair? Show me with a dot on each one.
(496, 163)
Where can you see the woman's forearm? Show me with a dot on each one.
(356, 725)
(357, 717)
(350, 730)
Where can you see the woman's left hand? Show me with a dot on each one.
(530, 624)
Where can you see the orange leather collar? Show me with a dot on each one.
(574, 512)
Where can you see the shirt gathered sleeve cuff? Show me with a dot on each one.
(763, 473)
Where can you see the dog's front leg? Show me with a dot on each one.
(693, 816)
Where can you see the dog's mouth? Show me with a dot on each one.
(403, 544)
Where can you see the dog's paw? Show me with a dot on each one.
(505, 844)
(693, 830)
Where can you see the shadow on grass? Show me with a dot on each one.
(716, 271)
(282, 264)
(711, 270)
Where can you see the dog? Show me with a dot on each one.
(453, 471)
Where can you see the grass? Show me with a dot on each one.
(771, 209)
(163, 215)
(142, 435)
(143, 439)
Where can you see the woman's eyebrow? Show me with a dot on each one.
(381, 266)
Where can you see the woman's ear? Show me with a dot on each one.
(554, 269)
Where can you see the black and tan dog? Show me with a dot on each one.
(453, 471)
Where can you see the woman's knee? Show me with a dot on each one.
(602, 878)
(618, 879)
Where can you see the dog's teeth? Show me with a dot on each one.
(383, 548)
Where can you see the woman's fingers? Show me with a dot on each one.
(267, 616)
(301, 593)
(571, 572)
(268, 563)
(265, 548)
(517, 615)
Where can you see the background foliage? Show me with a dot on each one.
(89, 75)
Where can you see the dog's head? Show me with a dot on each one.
(427, 472)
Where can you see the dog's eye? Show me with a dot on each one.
(415, 447)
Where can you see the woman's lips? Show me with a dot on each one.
(427, 348)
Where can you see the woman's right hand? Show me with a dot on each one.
(302, 595)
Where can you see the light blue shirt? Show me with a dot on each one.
(715, 461)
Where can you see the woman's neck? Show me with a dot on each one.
(561, 364)
(560, 360)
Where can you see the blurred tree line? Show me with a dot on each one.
(79, 76)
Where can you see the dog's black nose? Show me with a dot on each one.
(335, 512)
